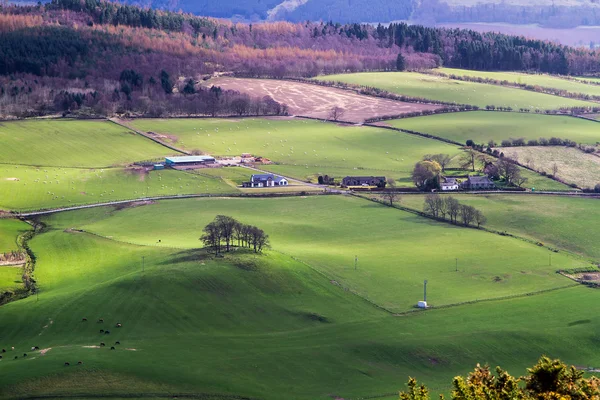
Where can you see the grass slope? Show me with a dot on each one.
(396, 250)
(443, 89)
(72, 143)
(547, 81)
(574, 166)
(482, 126)
(262, 327)
(10, 229)
(568, 223)
(27, 188)
(303, 147)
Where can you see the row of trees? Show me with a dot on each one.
(225, 232)
(447, 207)
(548, 379)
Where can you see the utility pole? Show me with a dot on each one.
(425, 291)
(457, 265)
(355, 262)
(143, 263)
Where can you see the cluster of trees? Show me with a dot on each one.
(224, 232)
(553, 141)
(86, 45)
(426, 175)
(505, 169)
(548, 379)
(447, 207)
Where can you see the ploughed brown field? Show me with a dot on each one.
(308, 100)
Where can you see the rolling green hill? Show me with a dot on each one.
(443, 89)
(482, 126)
(260, 326)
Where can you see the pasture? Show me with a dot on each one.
(303, 147)
(573, 165)
(567, 223)
(317, 102)
(542, 80)
(26, 188)
(73, 143)
(394, 247)
(453, 91)
(9, 230)
(483, 126)
(266, 325)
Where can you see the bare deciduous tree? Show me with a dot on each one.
(336, 113)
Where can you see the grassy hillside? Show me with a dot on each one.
(447, 90)
(547, 81)
(267, 325)
(30, 188)
(482, 126)
(573, 165)
(10, 276)
(303, 147)
(396, 250)
(72, 143)
(565, 222)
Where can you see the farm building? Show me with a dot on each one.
(265, 180)
(378, 181)
(188, 161)
(478, 183)
(449, 184)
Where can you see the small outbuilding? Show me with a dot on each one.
(449, 184)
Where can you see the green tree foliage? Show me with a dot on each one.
(400, 62)
(547, 380)
(165, 81)
(426, 174)
(189, 87)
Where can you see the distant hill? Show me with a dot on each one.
(550, 13)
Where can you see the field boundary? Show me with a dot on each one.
(123, 124)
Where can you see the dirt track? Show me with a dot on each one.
(317, 101)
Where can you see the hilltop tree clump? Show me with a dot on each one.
(222, 234)
(547, 380)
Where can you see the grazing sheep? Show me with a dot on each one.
(0, 357)
(36, 348)
(100, 320)
(13, 348)
(119, 325)
(79, 362)
(107, 332)
(101, 330)
(67, 364)
(84, 320)
(24, 354)
(117, 342)
(4, 350)
(16, 357)
(33, 348)
(102, 344)
(112, 348)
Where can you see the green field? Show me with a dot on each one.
(10, 276)
(267, 325)
(27, 188)
(9, 230)
(443, 89)
(564, 222)
(482, 126)
(72, 143)
(390, 273)
(303, 147)
(547, 81)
